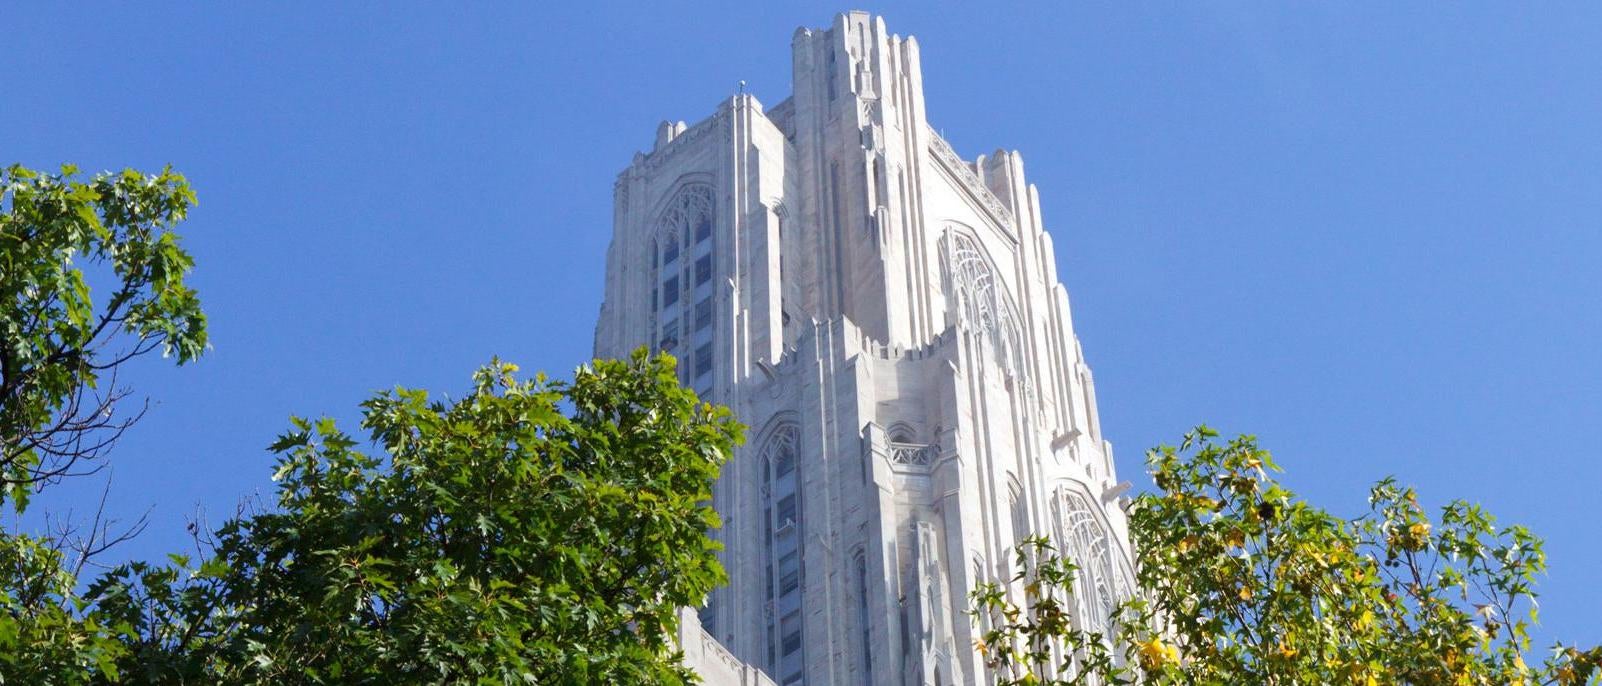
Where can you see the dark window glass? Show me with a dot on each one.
(784, 463)
(790, 629)
(786, 509)
(792, 643)
(703, 270)
(670, 336)
(788, 582)
(670, 252)
(703, 230)
(670, 291)
(862, 616)
(703, 360)
(703, 314)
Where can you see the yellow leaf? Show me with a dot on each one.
(1154, 653)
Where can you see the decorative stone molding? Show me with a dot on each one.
(970, 181)
(711, 645)
(913, 454)
(683, 141)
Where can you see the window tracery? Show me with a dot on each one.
(681, 268)
(784, 514)
(1081, 536)
(982, 301)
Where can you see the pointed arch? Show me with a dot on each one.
(689, 209)
(1084, 537)
(681, 264)
(779, 449)
(783, 523)
(981, 301)
(901, 432)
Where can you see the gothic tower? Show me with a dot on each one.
(886, 318)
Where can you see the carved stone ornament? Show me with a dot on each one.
(970, 181)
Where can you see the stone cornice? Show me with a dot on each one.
(969, 181)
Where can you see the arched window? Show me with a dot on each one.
(982, 302)
(1081, 536)
(1019, 509)
(901, 432)
(864, 623)
(784, 514)
(682, 267)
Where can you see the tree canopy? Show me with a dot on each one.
(1240, 581)
(532, 532)
(57, 342)
(60, 348)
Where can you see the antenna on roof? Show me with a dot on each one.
(742, 86)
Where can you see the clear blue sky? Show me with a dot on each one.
(1370, 234)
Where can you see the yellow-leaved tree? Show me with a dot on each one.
(1240, 582)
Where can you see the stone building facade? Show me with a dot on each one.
(887, 319)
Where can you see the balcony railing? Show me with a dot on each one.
(913, 454)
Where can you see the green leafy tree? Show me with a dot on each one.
(60, 348)
(1239, 581)
(531, 532)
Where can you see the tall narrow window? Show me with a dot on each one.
(862, 618)
(786, 568)
(831, 74)
(1082, 536)
(1020, 513)
(984, 305)
(688, 220)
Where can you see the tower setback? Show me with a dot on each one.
(886, 317)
